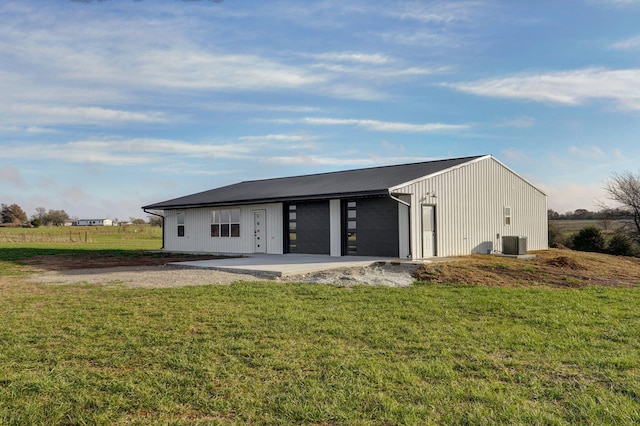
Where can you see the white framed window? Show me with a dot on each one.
(225, 223)
(507, 215)
(180, 221)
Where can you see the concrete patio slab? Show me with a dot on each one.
(282, 265)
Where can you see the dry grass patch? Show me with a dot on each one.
(554, 268)
(108, 259)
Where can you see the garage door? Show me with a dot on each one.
(308, 227)
(370, 227)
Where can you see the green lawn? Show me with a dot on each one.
(23, 243)
(83, 237)
(274, 353)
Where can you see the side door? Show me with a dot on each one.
(259, 231)
(428, 231)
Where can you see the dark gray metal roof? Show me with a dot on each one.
(349, 183)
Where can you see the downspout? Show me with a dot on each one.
(159, 215)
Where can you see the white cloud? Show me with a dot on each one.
(196, 69)
(185, 168)
(92, 69)
(318, 160)
(392, 147)
(515, 156)
(274, 137)
(343, 161)
(125, 152)
(568, 196)
(619, 155)
(385, 126)
(245, 107)
(12, 176)
(420, 37)
(75, 194)
(358, 57)
(83, 69)
(434, 12)
(632, 43)
(438, 22)
(568, 87)
(285, 141)
(519, 122)
(27, 129)
(588, 152)
(49, 114)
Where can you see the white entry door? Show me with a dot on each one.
(259, 231)
(428, 231)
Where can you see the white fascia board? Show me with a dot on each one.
(410, 182)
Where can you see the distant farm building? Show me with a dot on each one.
(93, 222)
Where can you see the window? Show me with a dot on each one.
(225, 223)
(507, 215)
(352, 242)
(293, 235)
(180, 221)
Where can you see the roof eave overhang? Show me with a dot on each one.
(373, 193)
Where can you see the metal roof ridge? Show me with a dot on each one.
(360, 169)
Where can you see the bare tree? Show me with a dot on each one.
(624, 189)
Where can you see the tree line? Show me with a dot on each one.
(584, 214)
(624, 190)
(14, 215)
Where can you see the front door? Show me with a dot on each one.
(259, 231)
(428, 231)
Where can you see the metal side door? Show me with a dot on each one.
(259, 231)
(428, 231)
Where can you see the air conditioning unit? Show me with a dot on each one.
(515, 245)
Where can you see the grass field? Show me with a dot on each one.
(576, 225)
(84, 237)
(274, 353)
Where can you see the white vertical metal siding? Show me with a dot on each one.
(197, 231)
(335, 227)
(404, 239)
(469, 204)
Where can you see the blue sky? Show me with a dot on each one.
(106, 106)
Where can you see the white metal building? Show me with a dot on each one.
(93, 222)
(420, 210)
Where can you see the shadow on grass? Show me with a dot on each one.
(54, 259)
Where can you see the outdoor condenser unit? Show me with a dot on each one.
(514, 245)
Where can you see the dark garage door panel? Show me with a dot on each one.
(313, 234)
(377, 227)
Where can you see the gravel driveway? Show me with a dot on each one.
(163, 277)
(141, 276)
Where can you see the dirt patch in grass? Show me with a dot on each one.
(564, 262)
(554, 268)
(92, 259)
(551, 268)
